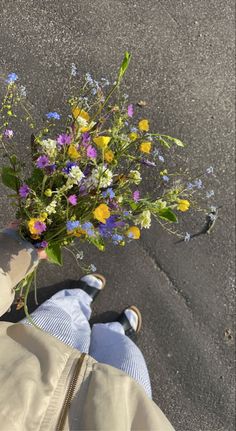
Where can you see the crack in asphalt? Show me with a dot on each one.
(170, 279)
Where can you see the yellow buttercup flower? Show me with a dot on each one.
(73, 153)
(44, 216)
(109, 156)
(183, 205)
(143, 125)
(133, 136)
(102, 141)
(31, 225)
(133, 232)
(102, 213)
(145, 147)
(78, 112)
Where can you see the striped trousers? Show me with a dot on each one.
(66, 316)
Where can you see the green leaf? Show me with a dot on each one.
(124, 66)
(98, 243)
(9, 178)
(54, 254)
(167, 214)
(176, 141)
(164, 142)
(36, 178)
(14, 159)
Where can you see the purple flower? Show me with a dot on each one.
(86, 138)
(53, 115)
(50, 169)
(89, 228)
(71, 225)
(24, 191)
(148, 163)
(111, 223)
(40, 226)
(83, 190)
(42, 244)
(161, 158)
(42, 162)
(198, 183)
(68, 167)
(64, 139)
(116, 238)
(130, 111)
(108, 193)
(8, 133)
(91, 152)
(72, 199)
(166, 178)
(136, 195)
(12, 77)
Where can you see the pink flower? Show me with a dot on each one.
(136, 195)
(8, 133)
(91, 152)
(64, 139)
(130, 111)
(72, 199)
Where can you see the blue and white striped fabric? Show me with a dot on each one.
(66, 316)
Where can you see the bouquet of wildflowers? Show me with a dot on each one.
(85, 182)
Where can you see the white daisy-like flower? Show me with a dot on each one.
(49, 146)
(51, 208)
(101, 176)
(144, 219)
(135, 177)
(76, 174)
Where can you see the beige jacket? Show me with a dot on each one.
(46, 386)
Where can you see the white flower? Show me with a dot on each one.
(101, 176)
(80, 255)
(49, 146)
(51, 208)
(135, 177)
(92, 268)
(81, 121)
(76, 174)
(144, 219)
(73, 69)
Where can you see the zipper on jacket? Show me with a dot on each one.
(70, 393)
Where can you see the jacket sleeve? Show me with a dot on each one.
(17, 259)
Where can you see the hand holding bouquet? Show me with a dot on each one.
(85, 182)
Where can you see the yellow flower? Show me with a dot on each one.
(109, 156)
(183, 205)
(143, 125)
(73, 153)
(79, 232)
(78, 112)
(31, 226)
(145, 147)
(133, 232)
(133, 136)
(48, 193)
(44, 216)
(102, 213)
(102, 141)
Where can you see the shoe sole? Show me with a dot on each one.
(136, 310)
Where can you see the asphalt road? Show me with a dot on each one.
(183, 66)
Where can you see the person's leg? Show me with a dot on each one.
(66, 314)
(111, 346)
